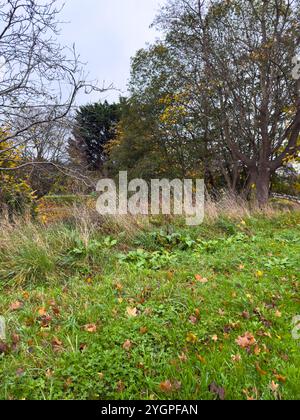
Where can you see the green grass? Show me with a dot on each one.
(183, 331)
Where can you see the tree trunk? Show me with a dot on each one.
(262, 183)
(259, 181)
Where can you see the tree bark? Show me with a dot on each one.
(263, 187)
(261, 180)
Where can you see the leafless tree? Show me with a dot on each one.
(39, 79)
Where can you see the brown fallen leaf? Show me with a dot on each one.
(91, 328)
(183, 357)
(218, 391)
(82, 347)
(132, 312)
(45, 321)
(4, 349)
(20, 372)
(119, 287)
(260, 370)
(42, 312)
(15, 306)
(56, 344)
(120, 386)
(257, 351)
(127, 345)
(26, 295)
(246, 315)
(143, 330)
(274, 387)
(201, 279)
(15, 338)
(246, 341)
(281, 378)
(193, 319)
(49, 373)
(236, 358)
(166, 386)
(201, 359)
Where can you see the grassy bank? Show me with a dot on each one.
(162, 312)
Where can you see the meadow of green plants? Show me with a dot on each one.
(167, 312)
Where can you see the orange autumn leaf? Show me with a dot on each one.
(274, 387)
(281, 378)
(127, 345)
(201, 279)
(42, 312)
(25, 295)
(15, 306)
(91, 328)
(143, 330)
(246, 341)
(260, 370)
(166, 386)
(201, 359)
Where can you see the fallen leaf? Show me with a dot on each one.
(119, 287)
(274, 387)
(191, 338)
(176, 385)
(278, 314)
(260, 370)
(56, 344)
(246, 315)
(127, 345)
(193, 320)
(16, 306)
(280, 378)
(166, 386)
(201, 359)
(215, 338)
(183, 357)
(201, 279)
(3, 348)
(20, 372)
(143, 330)
(236, 358)
(132, 312)
(15, 338)
(120, 386)
(49, 373)
(45, 321)
(257, 351)
(82, 347)
(25, 295)
(42, 312)
(91, 328)
(218, 391)
(246, 341)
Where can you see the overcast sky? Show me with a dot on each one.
(107, 33)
